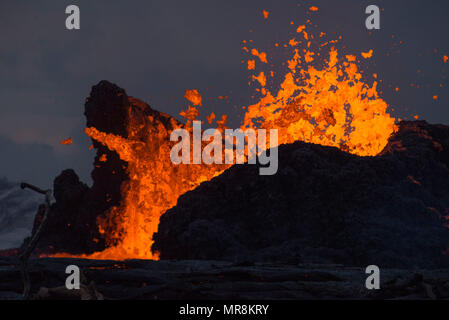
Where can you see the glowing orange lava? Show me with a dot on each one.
(329, 105)
(67, 141)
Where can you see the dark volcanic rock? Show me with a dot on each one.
(325, 206)
(71, 225)
(107, 109)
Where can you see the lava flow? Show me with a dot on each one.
(328, 105)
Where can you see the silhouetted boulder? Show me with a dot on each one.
(71, 225)
(107, 109)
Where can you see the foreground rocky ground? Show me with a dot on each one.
(161, 280)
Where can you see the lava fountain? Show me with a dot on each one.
(327, 103)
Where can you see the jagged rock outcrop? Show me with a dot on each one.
(107, 109)
(323, 206)
(72, 225)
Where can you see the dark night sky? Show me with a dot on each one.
(157, 49)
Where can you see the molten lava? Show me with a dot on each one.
(67, 141)
(329, 105)
(154, 185)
